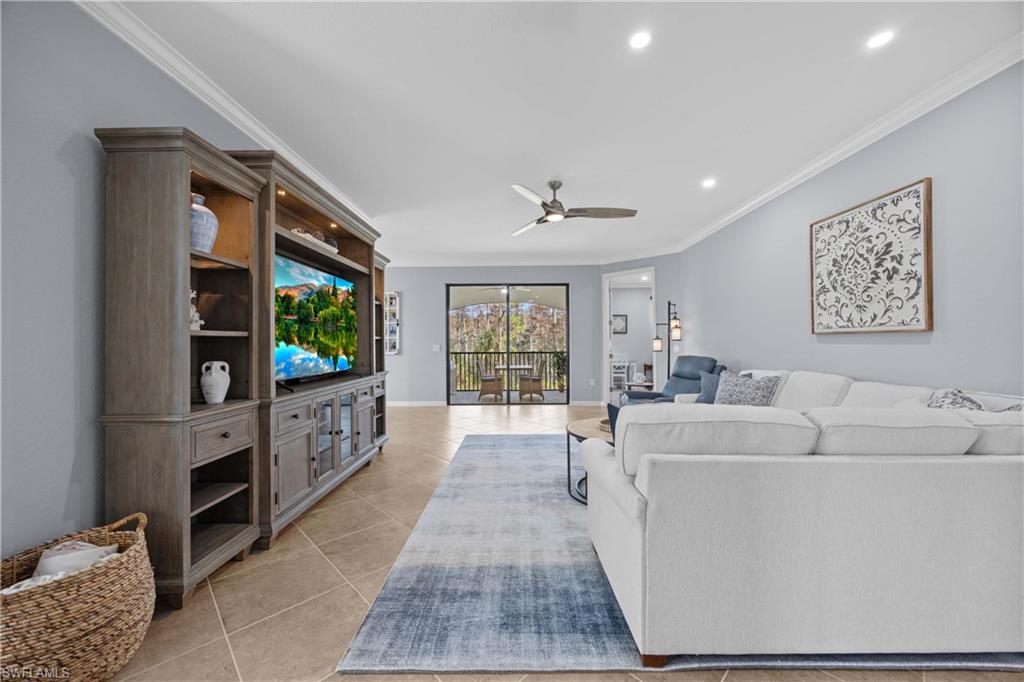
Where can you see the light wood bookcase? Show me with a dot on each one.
(190, 466)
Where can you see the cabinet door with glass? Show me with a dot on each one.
(326, 462)
(345, 430)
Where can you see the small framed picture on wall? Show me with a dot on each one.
(620, 324)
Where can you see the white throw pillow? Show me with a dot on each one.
(685, 398)
(878, 394)
(699, 429)
(887, 431)
(806, 390)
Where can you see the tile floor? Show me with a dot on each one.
(288, 613)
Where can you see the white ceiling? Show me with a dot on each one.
(424, 114)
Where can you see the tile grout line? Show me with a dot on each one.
(291, 554)
(223, 628)
(288, 608)
(370, 502)
(172, 658)
(336, 569)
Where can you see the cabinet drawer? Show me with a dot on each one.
(378, 389)
(364, 393)
(293, 416)
(222, 436)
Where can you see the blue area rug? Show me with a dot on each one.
(499, 576)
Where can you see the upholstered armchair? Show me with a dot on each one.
(685, 379)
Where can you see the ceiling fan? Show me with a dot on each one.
(554, 211)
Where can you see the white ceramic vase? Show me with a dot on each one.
(203, 224)
(214, 381)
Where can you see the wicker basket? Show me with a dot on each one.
(85, 626)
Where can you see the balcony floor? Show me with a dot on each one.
(470, 398)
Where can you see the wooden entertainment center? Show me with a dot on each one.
(214, 479)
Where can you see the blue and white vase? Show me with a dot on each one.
(203, 224)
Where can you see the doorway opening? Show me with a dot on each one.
(508, 344)
(629, 361)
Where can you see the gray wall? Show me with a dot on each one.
(635, 344)
(418, 373)
(744, 292)
(63, 75)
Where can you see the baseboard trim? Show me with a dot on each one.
(434, 403)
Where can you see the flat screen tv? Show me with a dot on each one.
(314, 321)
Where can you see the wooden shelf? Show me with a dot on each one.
(207, 261)
(218, 333)
(209, 537)
(226, 406)
(295, 244)
(205, 495)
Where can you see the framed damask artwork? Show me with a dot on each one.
(620, 324)
(871, 265)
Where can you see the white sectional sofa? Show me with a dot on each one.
(837, 521)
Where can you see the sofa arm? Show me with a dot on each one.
(603, 472)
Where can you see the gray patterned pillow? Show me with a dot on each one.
(953, 399)
(734, 389)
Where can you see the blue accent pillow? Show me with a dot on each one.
(613, 415)
(708, 388)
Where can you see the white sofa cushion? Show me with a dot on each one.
(806, 390)
(878, 394)
(999, 433)
(669, 428)
(887, 431)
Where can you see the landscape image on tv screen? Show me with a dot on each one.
(314, 321)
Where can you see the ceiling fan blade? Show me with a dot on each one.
(529, 194)
(529, 226)
(600, 213)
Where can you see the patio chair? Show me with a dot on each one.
(532, 383)
(490, 384)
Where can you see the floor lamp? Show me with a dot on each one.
(675, 333)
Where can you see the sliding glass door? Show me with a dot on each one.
(508, 343)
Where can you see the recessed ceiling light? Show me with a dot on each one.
(640, 40)
(708, 183)
(334, 224)
(880, 39)
(644, 278)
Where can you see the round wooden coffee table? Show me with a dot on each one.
(581, 430)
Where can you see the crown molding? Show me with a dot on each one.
(119, 20)
(998, 59)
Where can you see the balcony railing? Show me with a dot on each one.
(466, 376)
